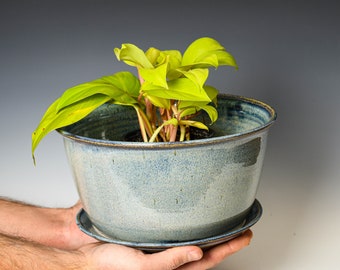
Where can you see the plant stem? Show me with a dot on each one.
(147, 122)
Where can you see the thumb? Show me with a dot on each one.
(173, 258)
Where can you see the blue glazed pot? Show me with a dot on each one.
(156, 192)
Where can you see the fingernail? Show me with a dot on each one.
(194, 255)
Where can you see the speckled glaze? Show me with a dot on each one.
(255, 213)
(158, 192)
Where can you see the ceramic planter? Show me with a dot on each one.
(168, 192)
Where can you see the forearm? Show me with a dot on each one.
(42, 225)
(17, 253)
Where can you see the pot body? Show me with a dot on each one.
(156, 192)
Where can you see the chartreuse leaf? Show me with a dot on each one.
(188, 108)
(124, 80)
(190, 123)
(188, 111)
(198, 76)
(54, 119)
(194, 124)
(155, 76)
(194, 108)
(132, 55)
(211, 111)
(174, 59)
(207, 52)
(172, 121)
(159, 102)
(153, 55)
(188, 88)
(174, 64)
(166, 78)
(179, 89)
(225, 59)
(122, 87)
(212, 92)
(157, 57)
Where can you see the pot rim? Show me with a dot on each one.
(199, 142)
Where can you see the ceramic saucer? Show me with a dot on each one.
(85, 225)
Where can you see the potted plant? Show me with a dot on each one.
(161, 158)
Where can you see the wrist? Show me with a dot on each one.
(56, 226)
(19, 253)
(41, 225)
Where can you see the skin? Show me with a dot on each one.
(51, 239)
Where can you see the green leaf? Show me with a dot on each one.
(226, 59)
(174, 59)
(165, 76)
(132, 55)
(54, 119)
(198, 75)
(172, 121)
(186, 89)
(153, 55)
(155, 76)
(179, 89)
(174, 64)
(125, 81)
(206, 52)
(193, 108)
(158, 102)
(193, 124)
(189, 111)
(122, 87)
(211, 111)
(212, 93)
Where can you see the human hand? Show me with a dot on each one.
(216, 255)
(58, 232)
(74, 237)
(110, 256)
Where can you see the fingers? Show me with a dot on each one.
(110, 256)
(216, 255)
(240, 242)
(222, 251)
(173, 258)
